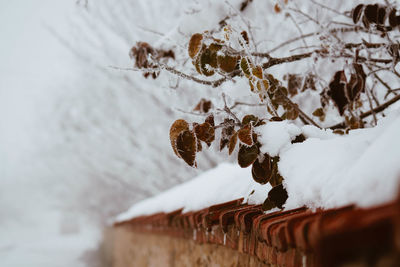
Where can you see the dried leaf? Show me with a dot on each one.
(293, 84)
(226, 133)
(337, 91)
(199, 146)
(319, 112)
(280, 96)
(262, 171)
(214, 47)
(276, 178)
(196, 63)
(371, 13)
(203, 106)
(356, 13)
(245, 134)
(245, 36)
(250, 118)
(356, 85)
(394, 20)
(268, 205)
(381, 15)
(186, 145)
(277, 8)
(195, 44)
(291, 112)
(205, 132)
(247, 155)
(208, 60)
(232, 142)
(227, 63)
(176, 128)
(338, 131)
(258, 72)
(278, 195)
(299, 139)
(245, 66)
(275, 119)
(210, 120)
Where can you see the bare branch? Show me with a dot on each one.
(335, 30)
(229, 111)
(246, 104)
(214, 83)
(328, 8)
(370, 112)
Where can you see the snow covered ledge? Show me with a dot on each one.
(327, 171)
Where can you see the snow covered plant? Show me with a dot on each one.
(351, 95)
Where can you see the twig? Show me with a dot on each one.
(328, 8)
(214, 83)
(343, 29)
(276, 61)
(301, 113)
(370, 112)
(298, 28)
(370, 104)
(323, 53)
(227, 110)
(305, 15)
(193, 113)
(246, 104)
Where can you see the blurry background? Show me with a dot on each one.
(81, 141)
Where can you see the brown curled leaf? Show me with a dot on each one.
(208, 61)
(299, 139)
(227, 131)
(186, 145)
(258, 72)
(337, 91)
(232, 142)
(276, 119)
(394, 20)
(245, 66)
(245, 134)
(203, 106)
(247, 155)
(195, 44)
(268, 205)
(199, 146)
(278, 195)
(262, 171)
(245, 36)
(227, 63)
(176, 128)
(356, 13)
(277, 8)
(250, 118)
(210, 120)
(371, 13)
(205, 132)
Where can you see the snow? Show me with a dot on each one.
(276, 136)
(361, 168)
(224, 183)
(325, 171)
(47, 244)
